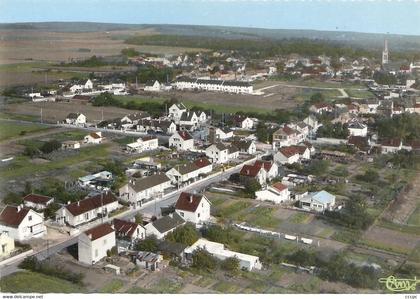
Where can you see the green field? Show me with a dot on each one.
(9, 129)
(354, 93)
(31, 282)
(191, 103)
(112, 287)
(23, 166)
(415, 217)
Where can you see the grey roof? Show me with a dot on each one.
(241, 144)
(172, 247)
(220, 146)
(186, 168)
(322, 196)
(148, 182)
(167, 223)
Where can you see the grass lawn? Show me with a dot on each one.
(409, 229)
(233, 208)
(23, 166)
(11, 129)
(226, 287)
(263, 217)
(6, 115)
(112, 287)
(384, 246)
(75, 135)
(354, 93)
(191, 103)
(205, 281)
(31, 282)
(414, 218)
(415, 254)
(300, 218)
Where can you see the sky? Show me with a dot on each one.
(378, 16)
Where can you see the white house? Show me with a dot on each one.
(76, 119)
(182, 140)
(243, 122)
(357, 128)
(256, 172)
(202, 117)
(139, 190)
(238, 87)
(246, 261)
(218, 153)
(86, 210)
(22, 223)
(321, 108)
(317, 201)
(245, 146)
(183, 174)
(92, 179)
(37, 201)
(70, 144)
(221, 133)
(148, 143)
(163, 226)
(285, 136)
(287, 155)
(176, 110)
(7, 245)
(129, 230)
(188, 120)
(93, 138)
(271, 168)
(152, 86)
(277, 193)
(193, 208)
(94, 243)
(391, 145)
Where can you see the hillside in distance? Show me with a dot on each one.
(366, 40)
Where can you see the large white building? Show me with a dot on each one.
(277, 193)
(143, 144)
(214, 85)
(94, 243)
(182, 141)
(246, 261)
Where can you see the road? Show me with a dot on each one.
(149, 208)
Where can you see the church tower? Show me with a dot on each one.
(385, 54)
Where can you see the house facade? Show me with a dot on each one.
(218, 153)
(22, 223)
(193, 208)
(94, 243)
(37, 201)
(76, 119)
(93, 138)
(87, 210)
(163, 226)
(182, 141)
(277, 193)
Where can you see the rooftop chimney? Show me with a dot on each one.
(18, 208)
(191, 198)
(90, 236)
(78, 203)
(69, 202)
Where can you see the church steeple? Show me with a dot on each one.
(385, 54)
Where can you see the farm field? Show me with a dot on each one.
(11, 129)
(57, 111)
(39, 283)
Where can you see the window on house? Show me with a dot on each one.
(198, 215)
(86, 216)
(182, 214)
(104, 241)
(30, 218)
(96, 253)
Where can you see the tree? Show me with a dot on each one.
(203, 260)
(302, 257)
(28, 188)
(150, 243)
(186, 234)
(30, 151)
(50, 146)
(317, 167)
(262, 132)
(138, 218)
(231, 264)
(251, 186)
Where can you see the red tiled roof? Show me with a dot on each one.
(37, 198)
(125, 228)
(266, 164)
(404, 67)
(289, 151)
(322, 105)
(202, 162)
(88, 204)
(11, 217)
(95, 135)
(99, 231)
(250, 170)
(394, 142)
(288, 130)
(279, 186)
(188, 201)
(185, 135)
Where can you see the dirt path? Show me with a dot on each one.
(401, 208)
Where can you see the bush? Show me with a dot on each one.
(111, 252)
(150, 243)
(186, 234)
(50, 146)
(231, 265)
(203, 260)
(33, 264)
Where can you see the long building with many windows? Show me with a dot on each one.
(213, 85)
